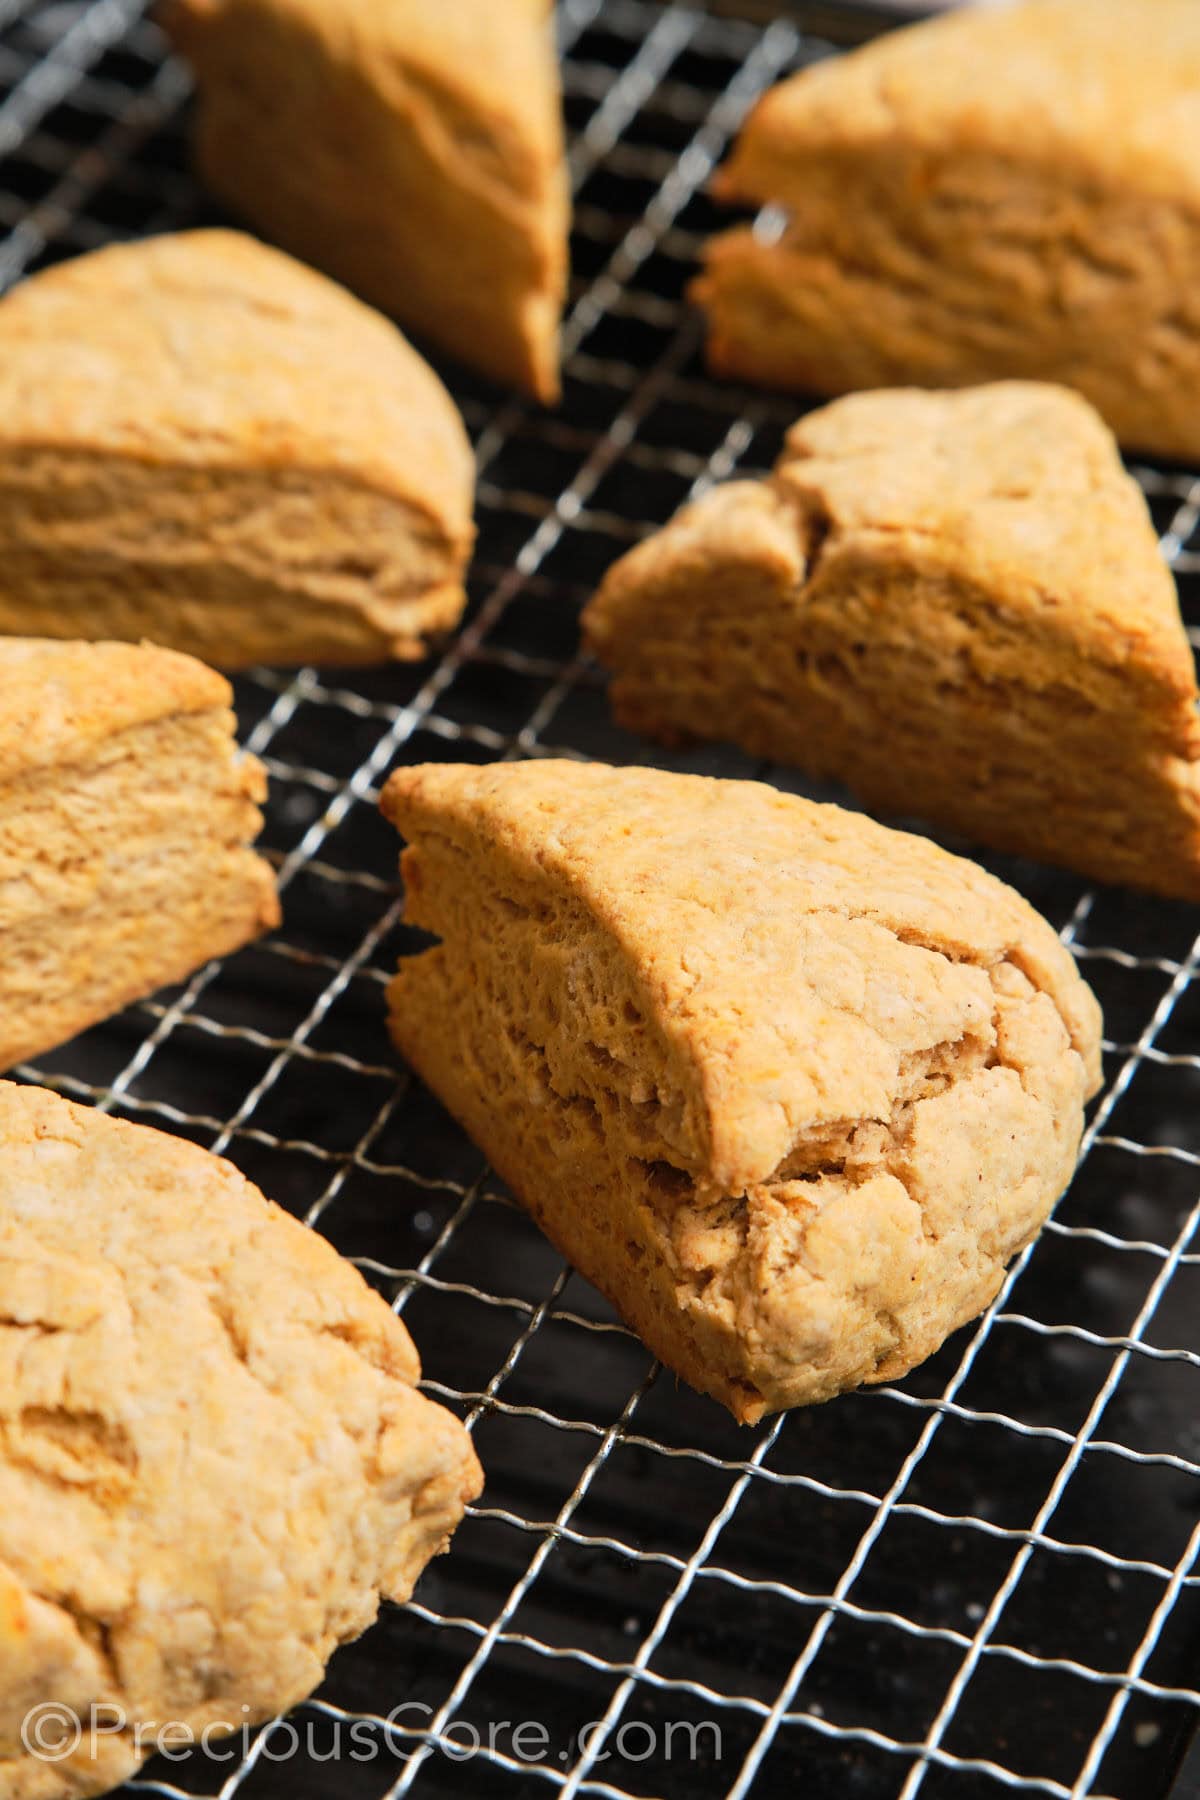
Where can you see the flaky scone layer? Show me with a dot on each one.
(205, 443)
(213, 1457)
(127, 817)
(789, 1087)
(1006, 191)
(956, 604)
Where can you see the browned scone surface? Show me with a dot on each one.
(953, 602)
(126, 820)
(789, 1087)
(1008, 191)
(413, 150)
(213, 1456)
(204, 443)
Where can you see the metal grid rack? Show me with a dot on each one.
(981, 1580)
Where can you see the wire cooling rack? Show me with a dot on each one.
(983, 1579)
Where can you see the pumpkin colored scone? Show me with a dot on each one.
(789, 1087)
(126, 823)
(204, 443)
(412, 150)
(1007, 191)
(214, 1459)
(953, 602)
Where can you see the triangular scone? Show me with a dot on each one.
(412, 149)
(789, 1087)
(1013, 190)
(126, 819)
(956, 604)
(213, 1455)
(204, 443)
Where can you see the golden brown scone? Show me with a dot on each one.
(956, 604)
(789, 1087)
(204, 443)
(413, 150)
(213, 1457)
(126, 819)
(1006, 191)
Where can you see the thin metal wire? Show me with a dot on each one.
(653, 69)
(1046, 1511)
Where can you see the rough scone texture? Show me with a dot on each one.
(789, 1087)
(213, 1458)
(1007, 191)
(413, 150)
(127, 817)
(954, 602)
(204, 443)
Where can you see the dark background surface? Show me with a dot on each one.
(980, 1581)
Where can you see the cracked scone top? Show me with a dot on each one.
(954, 602)
(791, 1088)
(213, 1457)
(204, 443)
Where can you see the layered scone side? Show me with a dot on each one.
(956, 604)
(788, 1087)
(1006, 192)
(204, 443)
(413, 151)
(127, 817)
(213, 1456)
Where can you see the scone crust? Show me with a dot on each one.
(1007, 191)
(452, 117)
(244, 358)
(1123, 120)
(213, 1457)
(954, 602)
(203, 441)
(60, 699)
(127, 819)
(743, 1091)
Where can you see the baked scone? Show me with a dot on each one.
(204, 443)
(413, 150)
(1008, 191)
(955, 603)
(213, 1456)
(126, 819)
(789, 1087)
